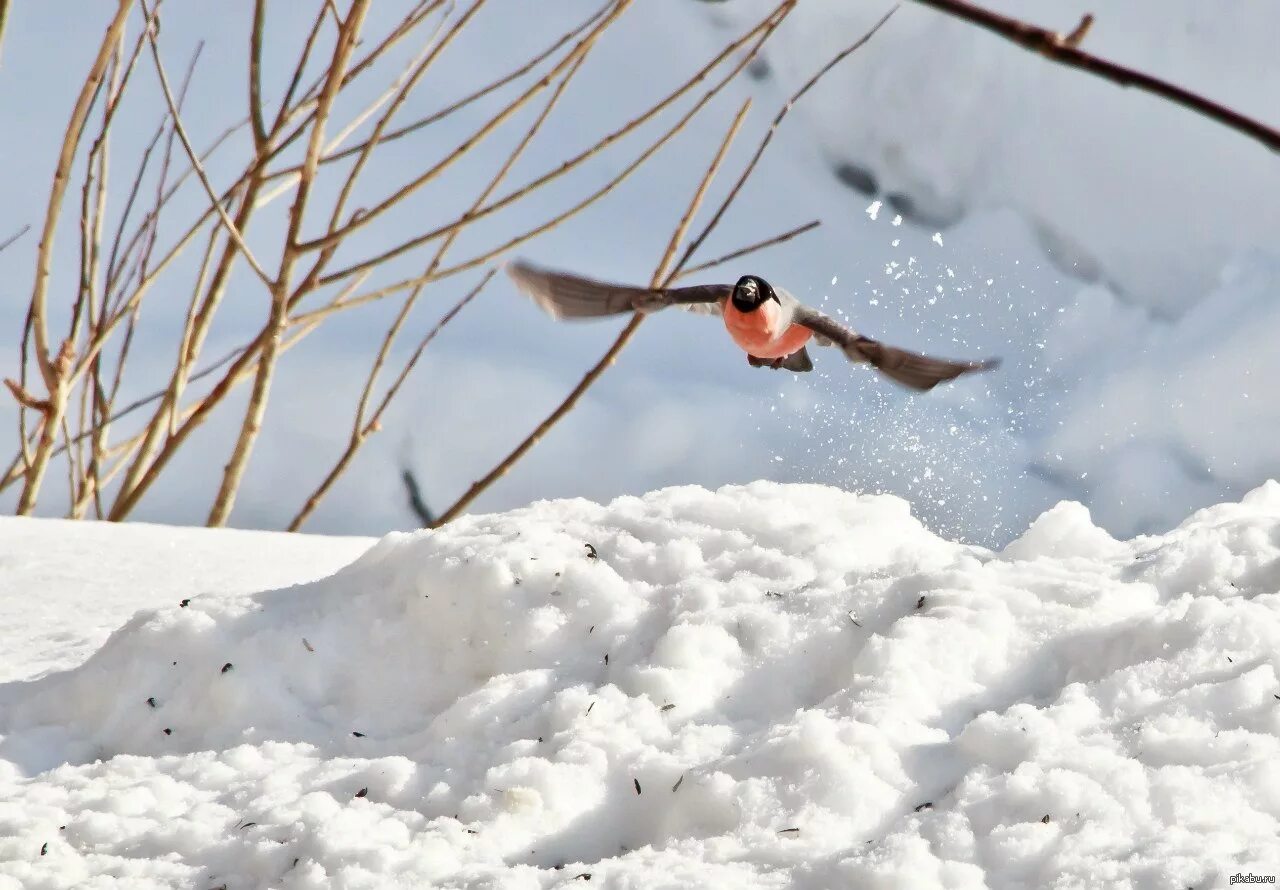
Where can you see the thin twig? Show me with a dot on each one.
(773, 128)
(418, 69)
(475, 138)
(16, 235)
(750, 248)
(255, 74)
(4, 18)
(664, 273)
(1063, 50)
(765, 27)
(344, 461)
(287, 102)
(199, 167)
(49, 370)
(361, 428)
(279, 316)
(453, 107)
(624, 337)
(659, 276)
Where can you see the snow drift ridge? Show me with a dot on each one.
(761, 686)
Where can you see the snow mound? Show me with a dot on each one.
(762, 686)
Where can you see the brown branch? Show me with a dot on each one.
(624, 337)
(750, 249)
(24, 397)
(287, 102)
(360, 434)
(453, 107)
(664, 274)
(768, 26)
(361, 430)
(279, 316)
(1062, 49)
(15, 236)
(194, 158)
(773, 128)
(255, 74)
(487, 129)
(422, 64)
(44, 259)
(765, 28)
(1081, 30)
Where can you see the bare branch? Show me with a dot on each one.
(663, 275)
(475, 138)
(660, 279)
(4, 18)
(458, 105)
(37, 315)
(360, 434)
(279, 317)
(286, 103)
(1063, 50)
(255, 74)
(659, 275)
(773, 128)
(750, 249)
(15, 236)
(198, 167)
(418, 70)
(758, 34)
(362, 429)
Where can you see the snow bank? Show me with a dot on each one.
(64, 586)
(763, 686)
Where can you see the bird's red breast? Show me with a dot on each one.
(757, 331)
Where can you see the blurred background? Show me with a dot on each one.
(1119, 253)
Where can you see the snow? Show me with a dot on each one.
(760, 686)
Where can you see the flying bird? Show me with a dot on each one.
(769, 324)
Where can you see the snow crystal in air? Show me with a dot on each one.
(874, 209)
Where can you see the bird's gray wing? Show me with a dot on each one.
(564, 295)
(908, 368)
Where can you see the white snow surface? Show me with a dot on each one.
(763, 686)
(64, 586)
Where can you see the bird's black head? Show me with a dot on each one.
(750, 292)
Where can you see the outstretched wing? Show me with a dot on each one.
(908, 368)
(563, 295)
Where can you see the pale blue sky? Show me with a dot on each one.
(681, 406)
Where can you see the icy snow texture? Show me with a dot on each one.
(764, 686)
